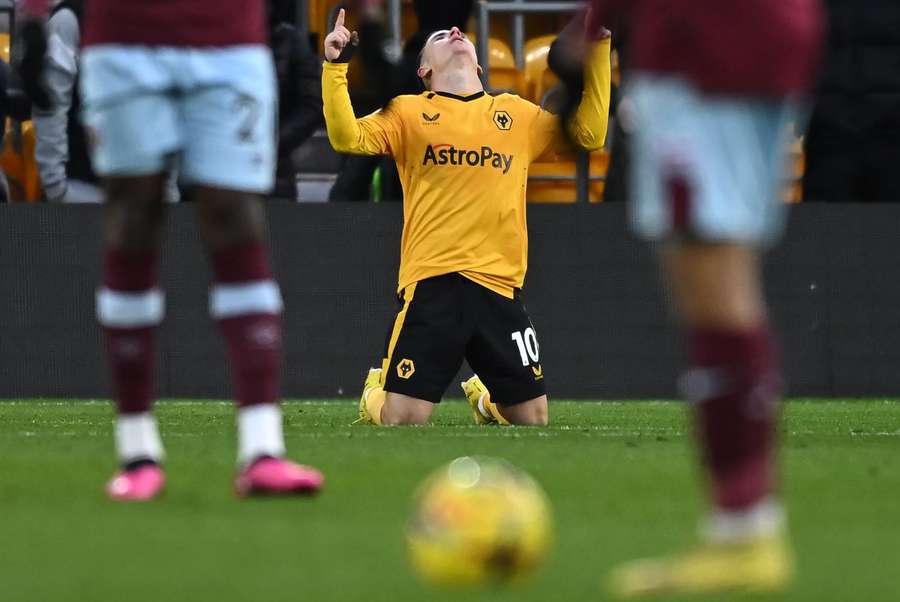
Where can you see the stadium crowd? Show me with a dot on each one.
(846, 154)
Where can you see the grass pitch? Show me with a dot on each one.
(621, 477)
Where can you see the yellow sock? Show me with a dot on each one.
(374, 402)
(491, 407)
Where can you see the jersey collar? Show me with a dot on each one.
(474, 96)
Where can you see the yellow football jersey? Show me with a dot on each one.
(463, 164)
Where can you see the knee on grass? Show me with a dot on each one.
(401, 410)
(530, 413)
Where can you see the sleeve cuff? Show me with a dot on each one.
(335, 67)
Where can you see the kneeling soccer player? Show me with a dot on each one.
(711, 129)
(463, 158)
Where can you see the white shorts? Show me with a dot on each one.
(707, 167)
(212, 109)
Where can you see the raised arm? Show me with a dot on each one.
(588, 122)
(587, 126)
(375, 134)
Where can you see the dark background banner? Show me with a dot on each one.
(834, 285)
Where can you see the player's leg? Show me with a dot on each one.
(376, 406)
(714, 285)
(246, 303)
(532, 412)
(504, 352)
(227, 161)
(423, 352)
(713, 201)
(130, 308)
(402, 409)
(734, 384)
(134, 131)
(735, 378)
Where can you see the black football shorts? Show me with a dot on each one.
(447, 318)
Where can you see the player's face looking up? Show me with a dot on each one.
(444, 49)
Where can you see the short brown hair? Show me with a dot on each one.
(422, 55)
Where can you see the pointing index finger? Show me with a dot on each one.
(339, 22)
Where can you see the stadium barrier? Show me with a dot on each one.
(518, 9)
(592, 292)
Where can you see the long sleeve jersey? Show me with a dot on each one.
(463, 164)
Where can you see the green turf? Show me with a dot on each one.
(621, 477)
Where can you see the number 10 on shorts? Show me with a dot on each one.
(528, 345)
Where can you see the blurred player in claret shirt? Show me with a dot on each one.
(463, 158)
(715, 86)
(190, 81)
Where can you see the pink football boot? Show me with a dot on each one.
(137, 485)
(276, 476)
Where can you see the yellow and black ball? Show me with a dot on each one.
(478, 521)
